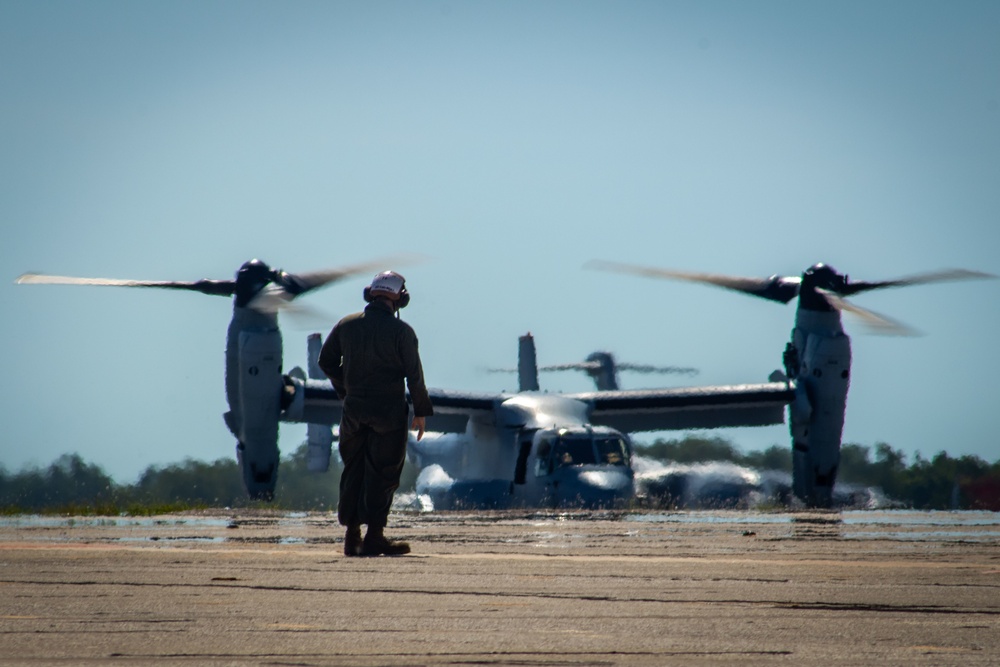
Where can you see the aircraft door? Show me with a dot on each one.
(525, 439)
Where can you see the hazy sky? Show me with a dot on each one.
(509, 143)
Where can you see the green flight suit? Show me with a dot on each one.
(367, 357)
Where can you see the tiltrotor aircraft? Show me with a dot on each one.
(603, 368)
(817, 360)
(254, 381)
(534, 448)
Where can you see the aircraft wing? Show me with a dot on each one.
(316, 402)
(689, 408)
(453, 409)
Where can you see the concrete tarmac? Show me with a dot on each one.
(513, 588)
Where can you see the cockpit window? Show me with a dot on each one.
(574, 451)
(611, 450)
(544, 447)
(577, 449)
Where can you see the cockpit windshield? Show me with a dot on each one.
(581, 448)
(611, 450)
(573, 451)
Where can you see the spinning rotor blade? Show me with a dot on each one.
(278, 295)
(596, 366)
(880, 324)
(775, 288)
(212, 287)
(874, 322)
(275, 296)
(578, 366)
(312, 280)
(666, 370)
(306, 318)
(917, 279)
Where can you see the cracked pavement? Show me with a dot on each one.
(525, 588)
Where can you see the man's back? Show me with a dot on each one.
(367, 357)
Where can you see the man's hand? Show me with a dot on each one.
(418, 425)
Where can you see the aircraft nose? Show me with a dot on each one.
(606, 480)
(595, 488)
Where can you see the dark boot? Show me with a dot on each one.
(376, 544)
(352, 541)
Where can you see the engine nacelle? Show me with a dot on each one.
(254, 416)
(816, 418)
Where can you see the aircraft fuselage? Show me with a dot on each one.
(538, 450)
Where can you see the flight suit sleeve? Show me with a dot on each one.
(330, 362)
(414, 372)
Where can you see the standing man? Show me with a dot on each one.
(367, 356)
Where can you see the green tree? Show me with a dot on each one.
(855, 465)
(691, 449)
(775, 457)
(69, 481)
(936, 484)
(216, 484)
(888, 471)
(300, 489)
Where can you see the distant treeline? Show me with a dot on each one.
(72, 486)
(941, 483)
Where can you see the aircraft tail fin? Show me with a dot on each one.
(315, 343)
(527, 365)
(601, 368)
(318, 436)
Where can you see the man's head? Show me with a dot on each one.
(388, 285)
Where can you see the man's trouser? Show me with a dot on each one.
(373, 457)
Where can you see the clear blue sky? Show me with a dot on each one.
(509, 142)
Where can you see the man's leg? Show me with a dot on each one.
(352, 481)
(385, 457)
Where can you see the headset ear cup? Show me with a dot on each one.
(404, 298)
(368, 294)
